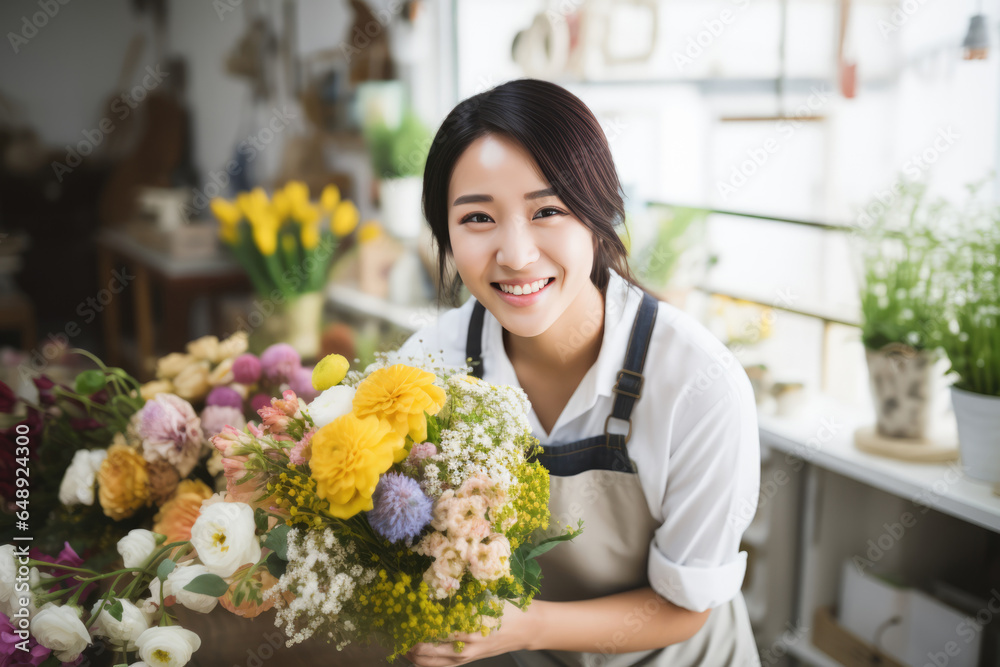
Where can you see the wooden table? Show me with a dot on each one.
(179, 280)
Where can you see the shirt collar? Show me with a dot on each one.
(621, 304)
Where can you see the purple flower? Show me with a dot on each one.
(279, 362)
(401, 510)
(10, 654)
(246, 369)
(301, 383)
(225, 396)
(215, 417)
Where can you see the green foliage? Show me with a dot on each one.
(902, 263)
(970, 331)
(399, 152)
(208, 584)
(656, 263)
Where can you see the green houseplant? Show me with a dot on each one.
(398, 156)
(901, 308)
(970, 336)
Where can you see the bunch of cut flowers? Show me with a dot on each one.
(399, 506)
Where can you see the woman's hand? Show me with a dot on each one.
(517, 630)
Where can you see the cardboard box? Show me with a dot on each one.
(831, 638)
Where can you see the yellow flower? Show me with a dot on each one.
(400, 395)
(310, 236)
(297, 192)
(123, 482)
(281, 204)
(329, 199)
(265, 235)
(227, 212)
(229, 234)
(306, 214)
(348, 456)
(329, 372)
(369, 231)
(344, 218)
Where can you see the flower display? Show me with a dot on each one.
(136, 547)
(123, 482)
(223, 536)
(58, 627)
(170, 646)
(178, 514)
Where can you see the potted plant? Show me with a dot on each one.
(398, 156)
(970, 336)
(900, 309)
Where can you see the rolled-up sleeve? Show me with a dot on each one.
(710, 498)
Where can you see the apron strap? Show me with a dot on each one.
(474, 343)
(628, 388)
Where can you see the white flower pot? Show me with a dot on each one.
(978, 418)
(401, 212)
(901, 380)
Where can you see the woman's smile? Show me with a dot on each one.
(524, 293)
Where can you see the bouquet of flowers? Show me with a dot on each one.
(398, 506)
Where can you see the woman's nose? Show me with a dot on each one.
(517, 247)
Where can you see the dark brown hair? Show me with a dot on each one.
(566, 142)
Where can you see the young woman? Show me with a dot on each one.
(648, 423)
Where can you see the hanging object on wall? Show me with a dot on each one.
(976, 45)
(847, 64)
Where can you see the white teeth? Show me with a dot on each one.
(527, 288)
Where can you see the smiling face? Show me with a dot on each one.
(516, 245)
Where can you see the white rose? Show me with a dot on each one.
(136, 547)
(169, 646)
(77, 486)
(60, 629)
(223, 535)
(123, 632)
(332, 403)
(181, 577)
(8, 570)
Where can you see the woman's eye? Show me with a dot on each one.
(553, 211)
(471, 217)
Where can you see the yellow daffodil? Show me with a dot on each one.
(400, 395)
(344, 218)
(226, 211)
(229, 234)
(329, 199)
(310, 236)
(369, 231)
(265, 234)
(281, 204)
(306, 214)
(297, 192)
(329, 372)
(348, 456)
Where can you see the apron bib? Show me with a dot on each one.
(595, 480)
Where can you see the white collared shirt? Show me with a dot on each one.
(694, 439)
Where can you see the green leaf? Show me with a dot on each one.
(116, 610)
(260, 519)
(208, 584)
(165, 568)
(277, 541)
(275, 565)
(548, 543)
(433, 429)
(90, 382)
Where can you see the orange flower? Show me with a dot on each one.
(123, 482)
(251, 593)
(179, 513)
(400, 395)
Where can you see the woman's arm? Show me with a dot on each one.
(632, 621)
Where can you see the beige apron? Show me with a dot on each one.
(595, 480)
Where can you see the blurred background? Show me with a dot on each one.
(815, 180)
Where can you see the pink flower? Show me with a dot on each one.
(491, 559)
(279, 362)
(215, 418)
(11, 654)
(275, 421)
(246, 369)
(420, 452)
(228, 439)
(257, 401)
(288, 403)
(301, 384)
(170, 430)
(302, 451)
(234, 468)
